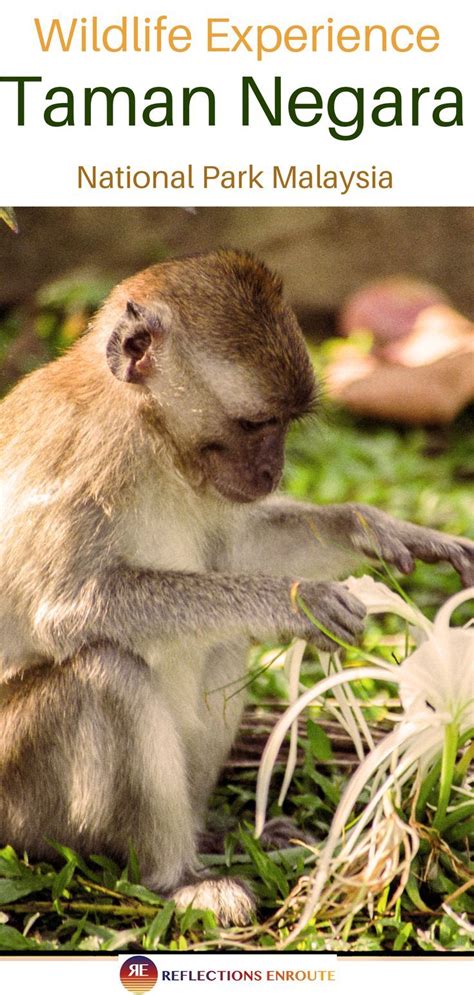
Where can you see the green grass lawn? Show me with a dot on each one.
(95, 905)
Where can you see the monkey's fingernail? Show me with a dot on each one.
(406, 563)
(293, 595)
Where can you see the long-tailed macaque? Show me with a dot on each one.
(142, 547)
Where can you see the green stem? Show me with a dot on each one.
(426, 789)
(433, 776)
(448, 761)
(147, 911)
(468, 734)
(463, 766)
(216, 859)
(460, 813)
(461, 831)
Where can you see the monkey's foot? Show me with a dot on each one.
(229, 899)
(281, 832)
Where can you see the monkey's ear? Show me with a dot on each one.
(130, 348)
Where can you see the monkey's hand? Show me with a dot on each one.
(331, 605)
(379, 536)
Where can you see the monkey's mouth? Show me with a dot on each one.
(234, 494)
(241, 494)
(242, 478)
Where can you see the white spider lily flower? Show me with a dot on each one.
(438, 678)
(378, 598)
(348, 711)
(293, 661)
(436, 688)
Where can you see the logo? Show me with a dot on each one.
(138, 974)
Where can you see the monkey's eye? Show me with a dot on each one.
(255, 426)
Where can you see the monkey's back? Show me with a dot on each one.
(68, 454)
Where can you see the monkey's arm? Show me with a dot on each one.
(128, 607)
(331, 540)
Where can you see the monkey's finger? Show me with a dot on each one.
(394, 551)
(347, 632)
(433, 547)
(323, 642)
(462, 560)
(346, 625)
(348, 613)
(349, 601)
(335, 608)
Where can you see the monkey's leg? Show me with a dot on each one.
(222, 699)
(89, 756)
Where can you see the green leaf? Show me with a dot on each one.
(13, 888)
(159, 925)
(102, 932)
(70, 856)
(11, 939)
(78, 931)
(133, 867)
(382, 902)
(10, 865)
(328, 788)
(268, 870)
(111, 872)
(403, 936)
(230, 843)
(121, 938)
(463, 831)
(191, 916)
(63, 879)
(7, 214)
(319, 741)
(138, 891)
(414, 894)
(64, 851)
(106, 863)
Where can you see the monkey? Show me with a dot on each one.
(144, 545)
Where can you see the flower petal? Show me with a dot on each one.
(277, 735)
(293, 661)
(378, 598)
(446, 610)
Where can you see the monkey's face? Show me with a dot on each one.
(212, 341)
(246, 461)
